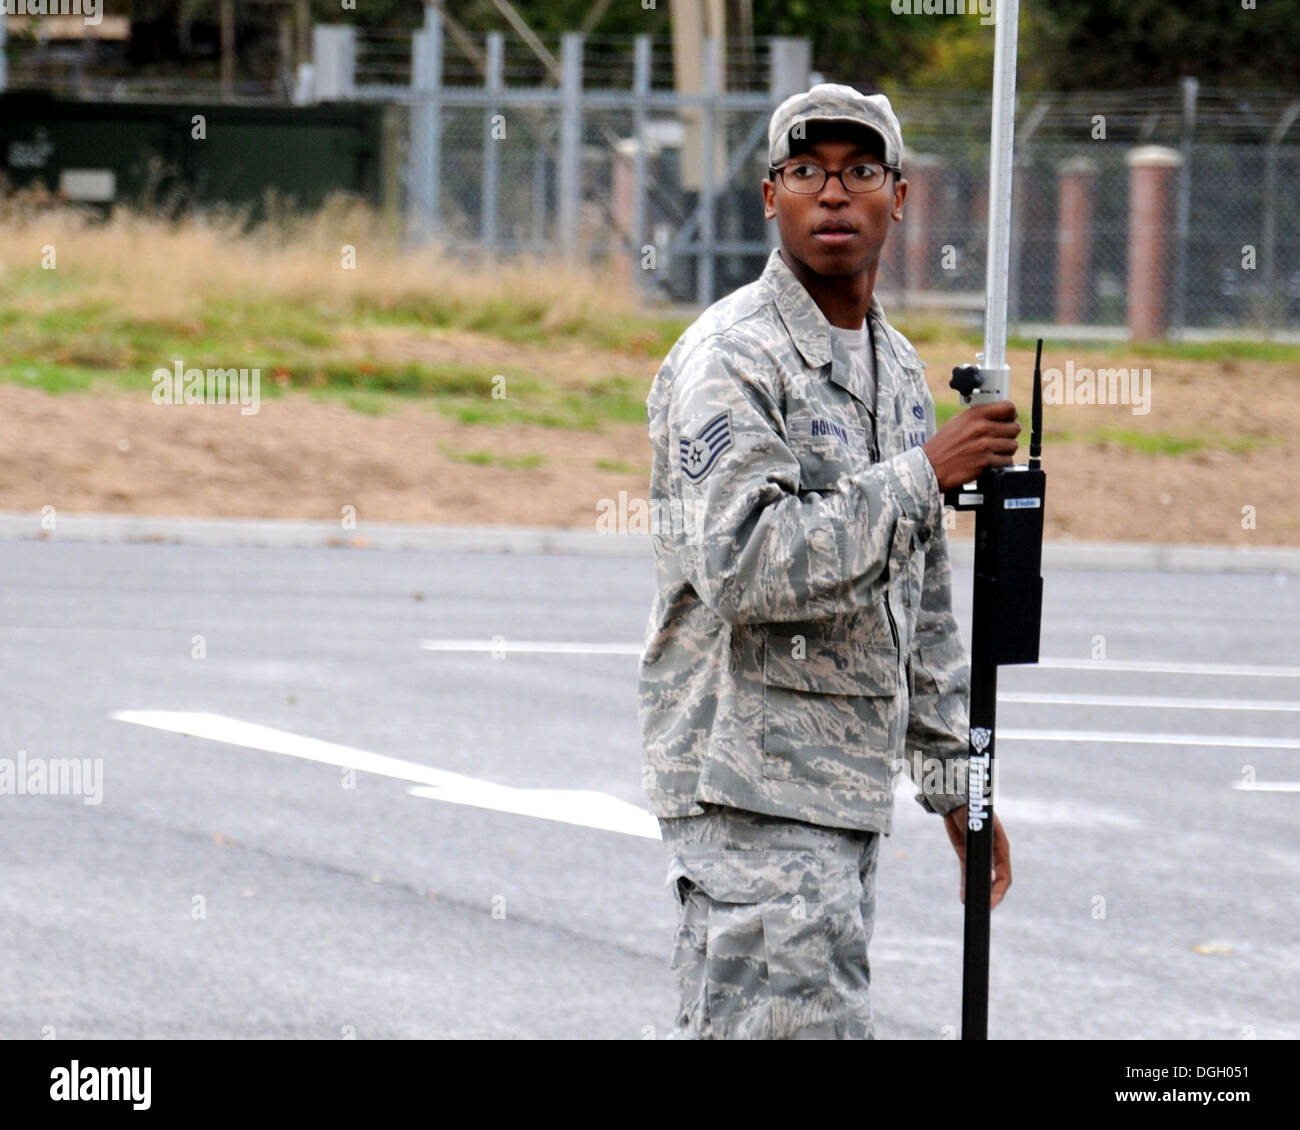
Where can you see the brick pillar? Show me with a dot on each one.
(1151, 182)
(1075, 182)
(922, 172)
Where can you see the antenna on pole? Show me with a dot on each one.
(1036, 414)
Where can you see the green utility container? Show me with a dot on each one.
(146, 152)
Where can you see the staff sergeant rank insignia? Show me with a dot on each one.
(700, 454)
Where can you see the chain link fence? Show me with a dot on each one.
(1222, 223)
(596, 147)
(1232, 252)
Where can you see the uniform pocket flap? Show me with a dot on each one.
(830, 666)
(743, 876)
(945, 659)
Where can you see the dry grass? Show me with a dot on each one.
(150, 269)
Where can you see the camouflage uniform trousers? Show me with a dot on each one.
(774, 920)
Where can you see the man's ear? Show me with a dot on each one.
(900, 194)
(769, 200)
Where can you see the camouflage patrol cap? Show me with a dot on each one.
(832, 102)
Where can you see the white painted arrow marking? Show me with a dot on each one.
(1268, 786)
(583, 807)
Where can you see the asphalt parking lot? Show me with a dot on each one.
(269, 856)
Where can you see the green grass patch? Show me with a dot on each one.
(525, 462)
(1159, 443)
(528, 400)
(54, 378)
(367, 403)
(521, 322)
(617, 467)
(1272, 351)
(1148, 443)
(922, 330)
(933, 331)
(275, 324)
(946, 409)
(95, 336)
(292, 345)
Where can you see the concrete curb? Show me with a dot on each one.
(285, 534)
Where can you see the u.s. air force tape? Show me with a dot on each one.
(701, 453)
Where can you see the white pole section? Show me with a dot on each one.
(997, 375)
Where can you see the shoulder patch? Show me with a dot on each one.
(699, 454)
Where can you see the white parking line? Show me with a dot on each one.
(1268, 786)
(536, 646)
(1150, 703)
(1228, 741)
(583, 807)
(1161, 667)
(1155, 667)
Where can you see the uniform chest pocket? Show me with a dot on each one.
(832, 712)
(828, 445)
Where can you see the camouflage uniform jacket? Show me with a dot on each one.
(801, 642)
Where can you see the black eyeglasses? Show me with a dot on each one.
(806, 178)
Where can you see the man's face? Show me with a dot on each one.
(835, 232)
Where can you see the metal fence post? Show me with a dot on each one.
(570, 178)
(1274, 303)
(789, 69)
(641, 89)
(491, 165)
(4, 34)
(704, 263)
(424, 171)
(540, 212)
(1184, 207)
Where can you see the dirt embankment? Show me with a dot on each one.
(1114, 475)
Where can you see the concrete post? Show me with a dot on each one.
(334, 59)
(1152, 170)
(1075, 184)
(789, 65)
